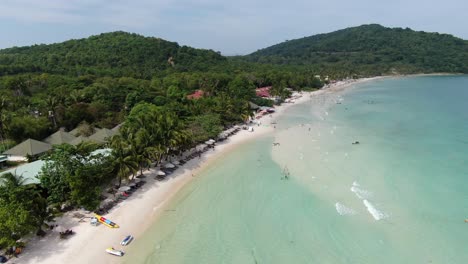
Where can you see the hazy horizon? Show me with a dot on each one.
(233, 28)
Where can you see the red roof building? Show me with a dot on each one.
(196, 95)
(263, 91)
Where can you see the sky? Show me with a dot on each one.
(234, 27)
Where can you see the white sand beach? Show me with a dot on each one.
(140, 210)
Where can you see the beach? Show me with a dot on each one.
(139, 211)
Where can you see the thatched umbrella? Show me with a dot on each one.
(124, 188)
(169, 165)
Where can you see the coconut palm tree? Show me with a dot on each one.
(125, 163)
(142, 149)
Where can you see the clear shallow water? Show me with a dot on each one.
(400, 196)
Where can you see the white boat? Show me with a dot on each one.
(126, 240)
(115, 252)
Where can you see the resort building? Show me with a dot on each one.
(29, 147)
(59, 137)
(196, 95)
(263, 92)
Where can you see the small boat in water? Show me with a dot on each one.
(115, 252)
(126, 240)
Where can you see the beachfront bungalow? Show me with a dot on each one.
(196, 95)
(76, 132)
(263, 92)
(29, 171)
(101, 136)
(78, 140)
(117, 127)
(59, 137)
(29, 147)
(3, 160)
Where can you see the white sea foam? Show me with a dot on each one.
(378, 215)
(360, 193)
(343, 210)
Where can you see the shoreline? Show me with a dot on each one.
(141, 209)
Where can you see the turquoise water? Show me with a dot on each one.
(400, 196)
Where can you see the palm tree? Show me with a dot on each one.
(4, 118)
(124, 161)
(52, 104)
(245, 112)
(86, 147)
(76, 96)
(12, 181)
(142, 149)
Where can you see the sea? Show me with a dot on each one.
(374, 173)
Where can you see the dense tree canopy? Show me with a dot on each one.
(111, 54)
(372, 46)
(73, 174)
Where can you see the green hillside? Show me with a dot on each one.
(98, 80)
(109, 54)
(372, 48)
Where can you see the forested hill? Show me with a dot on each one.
(372, 47)
(110, 54)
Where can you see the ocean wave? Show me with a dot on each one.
(343, 210)
(378, 215)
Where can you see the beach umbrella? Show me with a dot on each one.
(59, 229)
(124, 188)
(161, 173)
(169, 165)
(107, 202)
(209, 142)
(201, 147)
(175, 162)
